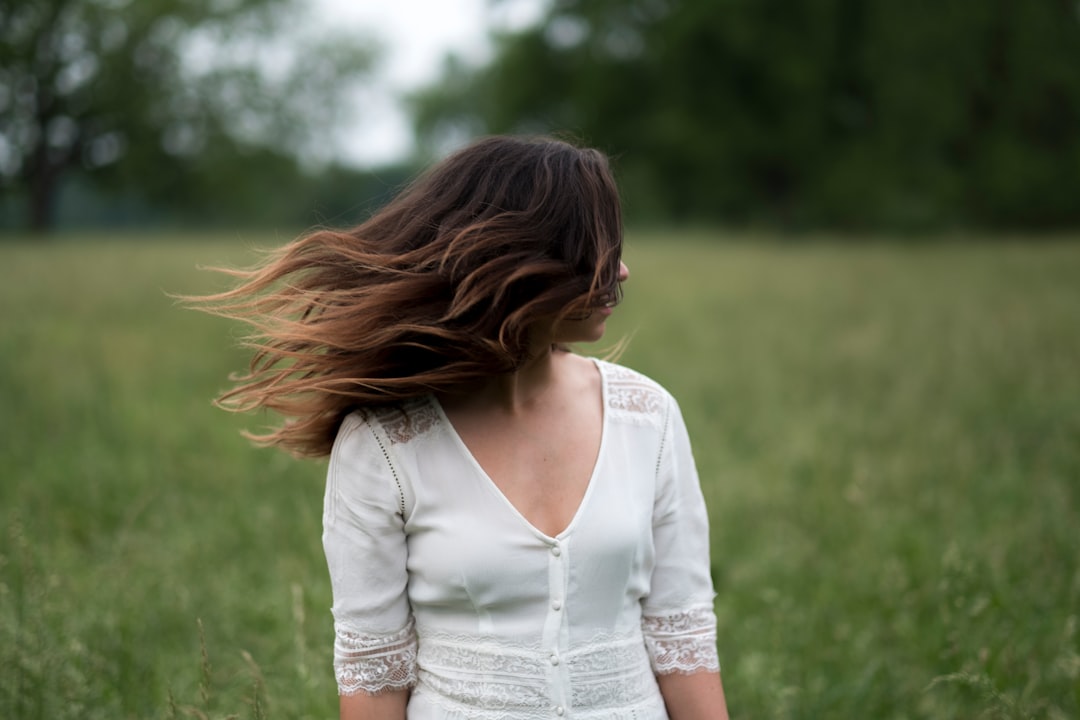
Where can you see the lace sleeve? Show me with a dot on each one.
(677, 614)
(366, 553)
(683, 642)
(374, 663)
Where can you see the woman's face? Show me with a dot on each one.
(589, 328)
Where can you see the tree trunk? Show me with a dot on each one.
(42, 201)
(43, 177)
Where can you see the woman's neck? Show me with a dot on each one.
(514, 392)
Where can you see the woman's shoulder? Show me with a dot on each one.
(393, 424)
(633, 392)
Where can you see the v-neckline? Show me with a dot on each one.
(486, 479)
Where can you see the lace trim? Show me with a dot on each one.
(408, 420)
(649, 709)
(485, 675)
(682, 642)
(374, 663)
(632, 392)
(611, 678)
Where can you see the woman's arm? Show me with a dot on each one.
(697, 696)
(384, 706)
(678, 619)
(366, 554)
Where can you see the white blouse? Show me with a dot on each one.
(441, 585)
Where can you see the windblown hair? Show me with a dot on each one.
(440, 288)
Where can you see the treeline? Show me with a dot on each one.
(798, 114)
(270, 190)
(175, 112)
(860, 114)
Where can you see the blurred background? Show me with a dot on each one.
(798, 115)
(852, 233)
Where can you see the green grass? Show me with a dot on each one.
(888, 435)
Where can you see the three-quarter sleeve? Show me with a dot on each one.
(365, 545)
(678, 619)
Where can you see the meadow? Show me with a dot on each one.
(888, 436)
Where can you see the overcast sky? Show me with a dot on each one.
(416, 35)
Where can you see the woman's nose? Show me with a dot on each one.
(624, 272)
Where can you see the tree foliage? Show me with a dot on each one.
(848, 113)
(176, 100)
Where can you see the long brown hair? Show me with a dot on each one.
(439, 288)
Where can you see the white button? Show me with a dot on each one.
(559, 711)
(554, 659)
(556, 605)
(556, 551)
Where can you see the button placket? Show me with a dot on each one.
(555, 631)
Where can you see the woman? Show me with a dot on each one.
(512, 530)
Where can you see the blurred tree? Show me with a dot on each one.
(804, 113)
(184, 100)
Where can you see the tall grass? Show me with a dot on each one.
(889, 439)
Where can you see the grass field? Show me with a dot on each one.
(888, 435)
